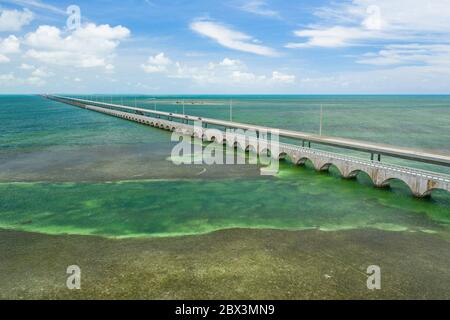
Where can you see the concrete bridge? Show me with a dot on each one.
(420, 182)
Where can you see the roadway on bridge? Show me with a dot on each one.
(369, 147)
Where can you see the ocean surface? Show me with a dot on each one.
(64, 170)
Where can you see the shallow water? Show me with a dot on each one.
(67, 170)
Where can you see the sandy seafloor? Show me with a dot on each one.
(227, 264)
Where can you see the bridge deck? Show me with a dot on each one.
(285, 146)
(375, 148)
(420, 182)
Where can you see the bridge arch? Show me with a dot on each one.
(387, 183)
(289, 157)
(282, 155)
(302, 161)
(328, 166)
(364, 177)
(251, 148)
(352, 174)
(325, 166)
(265, 151)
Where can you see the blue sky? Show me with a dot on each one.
(237, 46)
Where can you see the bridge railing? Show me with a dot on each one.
(392, 167)
(419, 172)
(376, 164)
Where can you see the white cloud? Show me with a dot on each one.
(87, 47)
(259, 7)
(409, 54)
(230, 38)
(241, 76)
(395, 15)
(37, 4)
(229, 62)
(7, 77)
(41, 73)
(213, 72)
(392, 80)
(282, 77)
(25, 66)
(110, 68)
(413, 37)
(10, 79)
(159, 59)
(227, 72)
(157, 63)
(330, 37)
(153, 69)
(8, 46)
(197, 74)
(226, 63)
(36, 81)
(14, 20)
(333, 37)
(360, 22)
(4, 59)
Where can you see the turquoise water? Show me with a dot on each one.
(68, 170)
